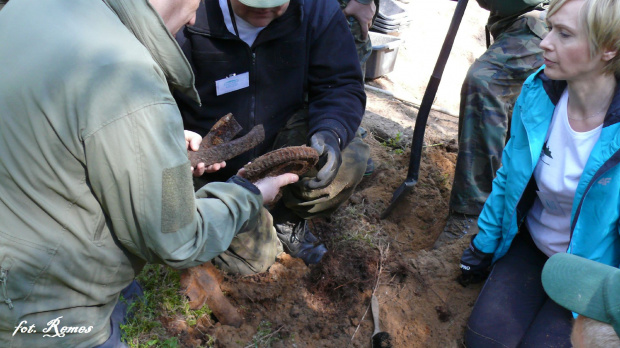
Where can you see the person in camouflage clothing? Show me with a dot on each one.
(360, 17)
(489, 92)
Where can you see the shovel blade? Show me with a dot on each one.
(398, 196)
(381, 340)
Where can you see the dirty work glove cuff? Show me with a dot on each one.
(327, 145)
(474, 265)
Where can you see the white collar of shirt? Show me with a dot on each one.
(247, 32)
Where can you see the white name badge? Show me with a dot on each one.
(232, 83)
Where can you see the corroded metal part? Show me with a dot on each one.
(294, 159)
(223, 131)
(227, 150)
(202, 285)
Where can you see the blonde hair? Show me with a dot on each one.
(601, 21)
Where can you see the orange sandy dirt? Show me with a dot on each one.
(327, 305)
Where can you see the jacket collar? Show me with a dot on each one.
(147, 26)
(210, 21)
(555, 88)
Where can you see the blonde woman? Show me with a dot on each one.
(558, 189)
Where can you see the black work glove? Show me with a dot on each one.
(474, 265)
(327, 145)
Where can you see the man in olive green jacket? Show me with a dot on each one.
(94, 176)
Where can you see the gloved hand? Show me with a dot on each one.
(327, 145)
(474, 265)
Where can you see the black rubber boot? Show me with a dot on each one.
(457, 226)
(297, 239)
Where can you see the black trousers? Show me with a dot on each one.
(131, 293)
(513, 309)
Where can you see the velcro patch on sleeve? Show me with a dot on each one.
(177, 198)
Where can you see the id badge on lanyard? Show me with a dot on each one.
(232, 83)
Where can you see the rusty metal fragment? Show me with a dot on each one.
(223, 131)
(217, 145)
(202, 285)
(294, 159)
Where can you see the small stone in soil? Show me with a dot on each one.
(443, 313)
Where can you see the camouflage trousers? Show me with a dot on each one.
(255, 249)
(364, 47)
(489, 92)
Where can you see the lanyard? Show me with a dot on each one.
(232, 18)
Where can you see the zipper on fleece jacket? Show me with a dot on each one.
(252, 73)
(253, 94)
(4, 273)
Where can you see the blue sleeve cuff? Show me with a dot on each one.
(244, 183)
(335, 128)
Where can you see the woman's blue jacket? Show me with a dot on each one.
(594, 232)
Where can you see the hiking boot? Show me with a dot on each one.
(457, 226)
(299, 242)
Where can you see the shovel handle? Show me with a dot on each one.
(417, 143)
(431, 91)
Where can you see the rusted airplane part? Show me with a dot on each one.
(218, 146)
(201, 284)
(295, 159)
(228, 150)
(224, 130)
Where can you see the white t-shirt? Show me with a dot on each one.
(561, 163)
(247, 32)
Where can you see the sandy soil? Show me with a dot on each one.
(327, 305)
(421, 304)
